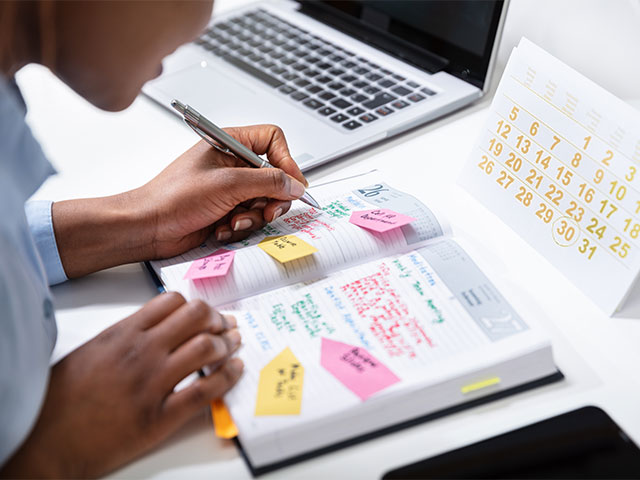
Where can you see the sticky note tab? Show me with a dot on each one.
(215, 265)
(356, 368)
(280, 386)
(380, 220)
(222, 421)
(286, 248)
(480, 385)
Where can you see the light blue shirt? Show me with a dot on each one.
(29, 263)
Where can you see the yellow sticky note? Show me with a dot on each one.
(480, 385)
(222, 421)
(280, 386)
(286, 248)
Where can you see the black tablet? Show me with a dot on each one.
(584, 443)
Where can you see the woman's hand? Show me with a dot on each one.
(204, 191)
(113, 398)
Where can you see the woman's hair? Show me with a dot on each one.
(8, 18)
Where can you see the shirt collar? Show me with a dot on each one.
(21, 157)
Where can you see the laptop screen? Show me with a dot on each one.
(456, 36)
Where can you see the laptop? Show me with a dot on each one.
(336, 76)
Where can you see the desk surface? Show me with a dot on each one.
(97, 153)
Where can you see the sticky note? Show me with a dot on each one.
(380, 220)
(222, 421)
(286, 248)
(215, 265)
(356, 368)
(280, 386)
(480, 385)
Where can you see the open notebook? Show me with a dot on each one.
(372, 331)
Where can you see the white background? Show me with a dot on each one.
(99, 153)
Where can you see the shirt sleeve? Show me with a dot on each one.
(38, 214)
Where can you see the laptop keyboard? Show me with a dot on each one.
(322, 77)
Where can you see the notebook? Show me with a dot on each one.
(370, 332)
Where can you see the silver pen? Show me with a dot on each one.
(211, 134)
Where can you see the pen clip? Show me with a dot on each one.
(207, 139)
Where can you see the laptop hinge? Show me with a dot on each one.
(398, 48)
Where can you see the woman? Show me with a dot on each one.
(112, 399)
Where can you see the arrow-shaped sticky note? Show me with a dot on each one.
(215, 265)
(356, 368)
(280, 386)
(380, 220)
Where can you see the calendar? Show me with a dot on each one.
(559, 161)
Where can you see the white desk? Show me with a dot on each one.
(98, 153)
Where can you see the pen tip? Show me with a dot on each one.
(179, 106)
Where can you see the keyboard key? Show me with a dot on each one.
(327, 95)
(351, 125)
(347, 92)
(288, 61)
(361, 70)
(299, 96)
(336, 86)
(290, 76)
(386, 83)
(359, 84)
(384, 111)
(299, 67)
(313, 89)
(400, 78)
(336, 58)
(427, 91)
(374, 77)
(254, 57)
(349, 78)
(287, 89)
(341, 103)
(402, 91)
(312, 60)
(413, 84)
(355, 111)
(399, 104)
(371, 90)
(379, 100)
(358, 98)
(336, 71)
(368, 117)
(253, 71)
(349, 64)
(310, 73)
(385, 72)
(301, 82)
(324, 79)
(278, 70)
(324, 66)
(339, 118)
(326, 111)
(324, 52)
(313, 104)
(416, 97)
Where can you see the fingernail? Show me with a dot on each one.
(296, 189)
(258, 205)
(223, 236)
(306, 182)
(230, 322)
(276, 214)
(244, 224)
(235, 365)
(234, 337)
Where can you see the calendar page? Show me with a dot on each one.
(558, 160)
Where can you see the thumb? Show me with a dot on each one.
(248, 183)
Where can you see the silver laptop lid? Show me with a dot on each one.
(455, 36)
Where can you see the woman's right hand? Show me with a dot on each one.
(113, 398)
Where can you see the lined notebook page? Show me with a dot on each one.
(399, 308)
(340, 244)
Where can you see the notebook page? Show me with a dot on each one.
(426, 314)
(339, 243)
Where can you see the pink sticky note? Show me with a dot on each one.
(380, 220)
(215, 265)
(356, 368)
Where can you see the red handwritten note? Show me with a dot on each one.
(380, 220)
(215, 265)
(356, 368)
